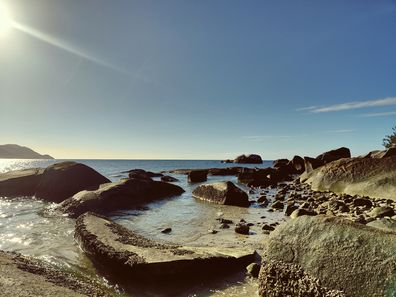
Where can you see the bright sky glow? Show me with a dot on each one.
(5, 20)
(201, 79)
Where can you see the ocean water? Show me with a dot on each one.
(27, 226)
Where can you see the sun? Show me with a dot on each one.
(6, 22)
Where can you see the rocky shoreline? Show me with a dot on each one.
(337, 239)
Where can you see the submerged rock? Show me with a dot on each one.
(343, 255)
(21, 276)
(124, 194)
(371, 177)
(20, 182)
(128, 255)
(225, 193)
(62, 180)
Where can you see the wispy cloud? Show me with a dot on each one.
(341, 131)
(264, 137)
(378, 114)
(306, 108)
(389, 101)
(261, 137)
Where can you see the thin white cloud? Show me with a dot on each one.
(263, 137)
(341, 131)
(378, 114)
(306, 108)
(260, 137)
(389, 101)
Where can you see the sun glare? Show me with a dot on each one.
(5, 20)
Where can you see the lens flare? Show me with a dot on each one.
(6, 22)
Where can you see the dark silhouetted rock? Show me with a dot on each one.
(297, 164)
(280, 162)
(225, 171)
(20, 182)
(248, 159)
(343, 255)
(124, 194)
(62, 180)
(128, 255)
(255, 177)
(225, 193)
(242, 228)
(334, 155)
(166, 230)
(197, 176)
(310, 164)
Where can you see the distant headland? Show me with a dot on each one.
(14, 151)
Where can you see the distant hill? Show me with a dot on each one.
(14, 151)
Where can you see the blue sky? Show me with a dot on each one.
(197, 79)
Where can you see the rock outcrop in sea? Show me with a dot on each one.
(124, 194)
(128, 255)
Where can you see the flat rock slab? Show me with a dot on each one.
(343, 255)
(20, 182)
(225, 193)
(123, 253)
(24, 277)
(371, 177)
(124, 194)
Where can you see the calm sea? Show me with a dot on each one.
(27, 226)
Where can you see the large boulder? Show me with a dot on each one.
(20, 182)
(334, 155)
(248, 159)
(62, 180)
(124, 194)
(198, 176)
(341, 254)
(371, 177)
(225, 193)
(279, 279)
(21, 276)
(128, 255)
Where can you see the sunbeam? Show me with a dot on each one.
(66, 47)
